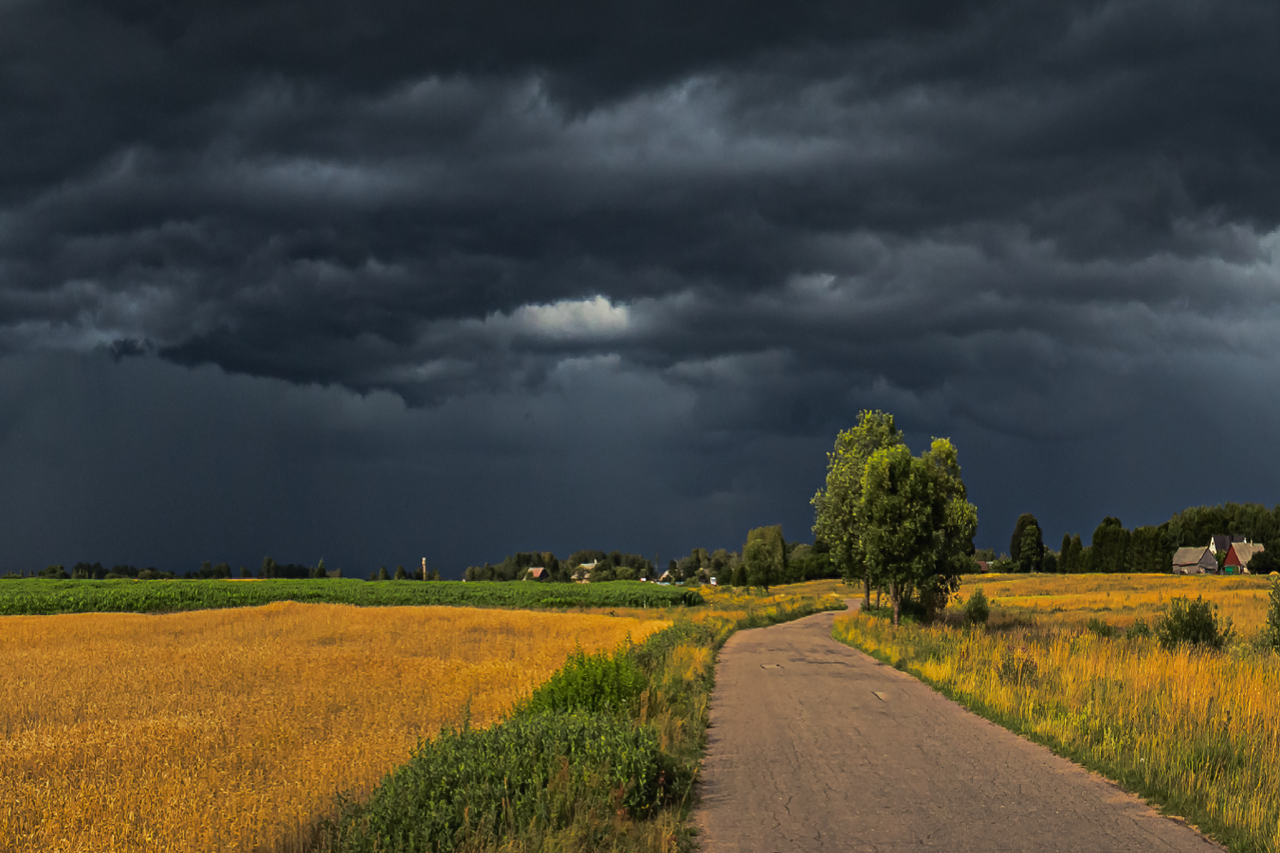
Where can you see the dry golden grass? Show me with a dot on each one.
(1120, 599)
(232, 730)
(1199, 731)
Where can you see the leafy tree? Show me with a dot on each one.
(918, 525)
(54, 571)
(1071, 559)
(1110, 549)
(1027, 548)
(382, 574)
(1149, 549)
(765, 556)
(838, 509)
(1266, 561)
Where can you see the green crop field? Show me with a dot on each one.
(42, 596)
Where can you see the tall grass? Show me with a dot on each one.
(1196, 731)
(1119, 599)
(233, 730)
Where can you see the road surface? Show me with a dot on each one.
(814, 746)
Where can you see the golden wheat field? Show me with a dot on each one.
(1121, 599)
(233, 730)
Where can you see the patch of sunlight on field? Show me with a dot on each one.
(1120, 599)
(232, 730)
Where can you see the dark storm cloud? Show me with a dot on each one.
(1031, 220)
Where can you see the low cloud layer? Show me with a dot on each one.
(1054, 231)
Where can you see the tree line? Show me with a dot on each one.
(1149, 548)
(605, 566)
(208, 570)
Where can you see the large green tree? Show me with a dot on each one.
(917, 524)
(765, 556)
(837, 508)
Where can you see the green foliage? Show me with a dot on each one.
(1266, 561)
(1102, 629)
(38, 596)
(918, 526)
(1026, 546)
(1110, 549)
(1138, 630)
(838, 508)
(977, 609)
(1071, 559)
(1270, 635)
(765, 556)
(531, 774)
(566, 770)
(1192, 622)
(593, 683)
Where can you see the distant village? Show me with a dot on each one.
(1200, 561)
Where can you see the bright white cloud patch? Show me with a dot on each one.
(568, 320)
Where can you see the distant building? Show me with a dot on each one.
(1194, 561)
(1220, 542)
(1238, 557)
(537, 573)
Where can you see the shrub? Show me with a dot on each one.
(1193, 622)
(1102, 629)
(977, 609)
(1270, 636)
(1139, 629)
(594, 683)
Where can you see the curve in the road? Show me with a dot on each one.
(815, 746)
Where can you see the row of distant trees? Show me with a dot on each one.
(1150, 548)
(208, 570)
(608, 566)
(795, 562)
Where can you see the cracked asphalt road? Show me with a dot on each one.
(814, 746)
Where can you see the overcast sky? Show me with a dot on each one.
(377, 281)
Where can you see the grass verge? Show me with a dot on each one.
(1195, 732)
(601, 757)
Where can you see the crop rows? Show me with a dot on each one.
(34, 597)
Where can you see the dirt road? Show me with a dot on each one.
(814, 746)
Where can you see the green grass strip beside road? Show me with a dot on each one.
(603, 757)
(43, 596)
